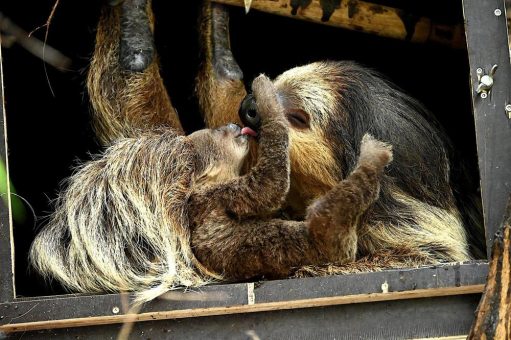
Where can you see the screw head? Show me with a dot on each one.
(484, 95)
(497, 12)
(508, 108)
(115, 310)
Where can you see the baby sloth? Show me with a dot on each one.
(163, 210)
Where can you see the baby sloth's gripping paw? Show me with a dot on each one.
(374, 153)
(267, 103)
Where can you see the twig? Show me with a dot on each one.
(35, 46)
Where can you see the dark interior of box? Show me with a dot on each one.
(49, 129)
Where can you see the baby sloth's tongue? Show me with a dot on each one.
(248, 131)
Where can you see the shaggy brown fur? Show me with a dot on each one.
(382, 260)
(328, 108)
(417, 209)
(125, 101)
(134, 218)
(220, 85)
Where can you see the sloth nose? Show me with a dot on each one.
(234, 127)
(248, 113)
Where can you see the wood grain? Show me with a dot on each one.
(258, 307)
(365, 17)
(493, 320)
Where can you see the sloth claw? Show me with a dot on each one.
(374, 152)
(136, 51)
(223, 61)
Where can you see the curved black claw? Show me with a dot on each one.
(295, 4)
(410, 20)
(136, 51)
(329, 6)
(223, 61)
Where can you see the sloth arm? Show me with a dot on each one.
(124, 82)
(252, 247)
(219, 83)
(263, 189)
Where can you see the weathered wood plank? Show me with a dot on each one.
(258, 307)
(403, 319)
(452, 279)
(493, 319)
(487, 46)
(365, 17)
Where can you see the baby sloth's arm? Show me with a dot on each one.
(265, 186)
(254, 247)
(333, 218)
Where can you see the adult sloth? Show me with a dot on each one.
(329, 107)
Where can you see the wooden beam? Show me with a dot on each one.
(248, 308)
(366, 17)
(487, 42)
(493, 318)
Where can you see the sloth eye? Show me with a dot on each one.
(298, 119)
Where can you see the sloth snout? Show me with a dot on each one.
(248, 113)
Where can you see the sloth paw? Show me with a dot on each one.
(374, 152)
(266, 100)
(262, 87)
(136, 51)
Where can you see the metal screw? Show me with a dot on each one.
(498, 12)
(484, 95)
(508, 111)
(115, 310)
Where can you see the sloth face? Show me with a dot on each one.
(233, 141)
(312, 104)
(222, 152)
(310, 95)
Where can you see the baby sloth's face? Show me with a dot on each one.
(223, 151)
(233, 141)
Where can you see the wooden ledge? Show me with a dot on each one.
(248, 308)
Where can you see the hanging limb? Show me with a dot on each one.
(219, 85)
(124, 83)
(493, 315)
(364, 17)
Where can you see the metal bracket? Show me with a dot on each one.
(485, 81)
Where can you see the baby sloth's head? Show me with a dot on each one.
(220, 152)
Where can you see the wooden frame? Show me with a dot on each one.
(293, 305)
(487, 44)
